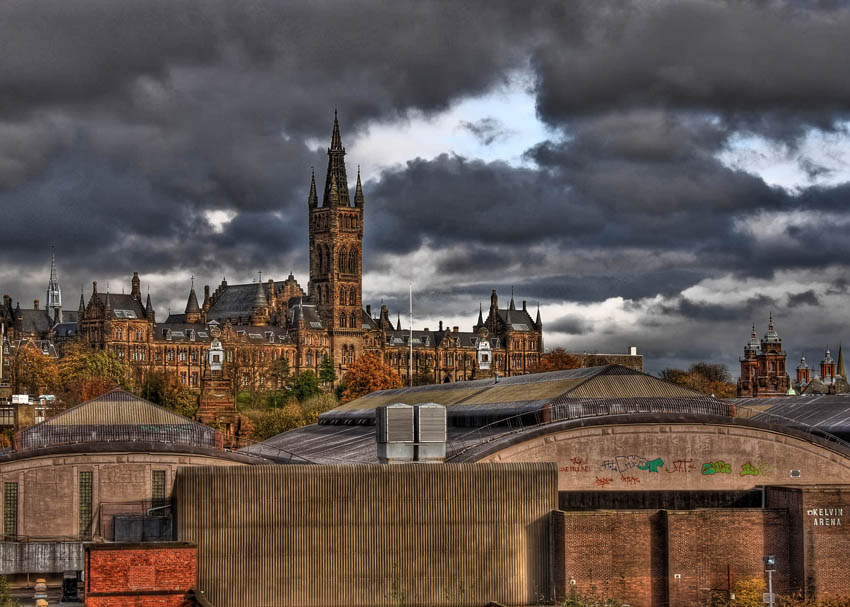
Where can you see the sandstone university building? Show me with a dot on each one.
(602, 481)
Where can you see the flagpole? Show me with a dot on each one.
(410, 370)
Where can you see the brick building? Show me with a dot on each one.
(763, 372)
(260, 322)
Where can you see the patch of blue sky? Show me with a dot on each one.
(819, 158)
(505, 118)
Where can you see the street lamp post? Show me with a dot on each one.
(769, 564)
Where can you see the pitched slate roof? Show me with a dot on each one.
(518, 320)
(121, 301)
(35, 321)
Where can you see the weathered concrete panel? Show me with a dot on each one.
(40, 557)
(677, 456)
(369, 535)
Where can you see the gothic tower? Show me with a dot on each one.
(54, 294)
(336, 252)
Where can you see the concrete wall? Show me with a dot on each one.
(375, 535)
(40, 557)
(48, 489)
(677, 456)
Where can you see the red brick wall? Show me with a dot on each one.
(705, 546)
(826, 546)
(616, 554)
(140, 575)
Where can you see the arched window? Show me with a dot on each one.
(342, 319)
(343, 259)
(309, 357)
(342, 296)
(352, 262)
(352, 297)
(353, 323)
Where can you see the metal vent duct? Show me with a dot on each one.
(430, 432)
(394, 433)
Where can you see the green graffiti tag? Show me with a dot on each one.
(652, 466)
(749, 469)
(718, 467)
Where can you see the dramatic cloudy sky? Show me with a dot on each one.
(652, 173)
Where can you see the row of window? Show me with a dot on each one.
(85, 510)
(346, 260)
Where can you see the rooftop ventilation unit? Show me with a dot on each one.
(429, 422)
(394, 433)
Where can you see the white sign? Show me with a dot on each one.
(826, 517)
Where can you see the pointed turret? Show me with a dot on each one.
(538, 324)
(260, 306)
(480, 322)
(840, 370)
(193, 310)
(81, 309)
(359, 200)
(753, 347)
(771, 334)
(398, 323)
(313, 198)
(150, 314)
(512, 305)
(107, 307)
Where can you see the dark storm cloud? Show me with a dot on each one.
(122, 125)
(806, 298)
(571, 325)
(741, 59)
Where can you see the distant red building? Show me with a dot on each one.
(763, 372)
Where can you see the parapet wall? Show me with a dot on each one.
(456, 534)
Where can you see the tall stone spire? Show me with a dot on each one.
(54, 294)
(81, 309)
(840, 370)
(336, 178)
(260, 306)
(313, 199)
(359, 200)
(480, 322)
(538, 323)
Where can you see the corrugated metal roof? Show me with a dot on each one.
(609, 381)
(828, 412)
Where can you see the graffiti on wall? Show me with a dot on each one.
(577, 464)
(718, 467)
(627, 463)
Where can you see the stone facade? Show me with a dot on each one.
(260, 322)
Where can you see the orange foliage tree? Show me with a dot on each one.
(33, 372)
(557, 360)
(367, 374)
(86, 373)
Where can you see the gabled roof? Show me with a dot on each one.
(117, 407)
(118, 416)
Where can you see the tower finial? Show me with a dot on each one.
(312, 198)
(336, 140)
(359, 200)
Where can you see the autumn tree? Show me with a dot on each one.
(33, 371)
(708, 378)
(85, 373)
(368, 373)
(164, 388)
(557, 360)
